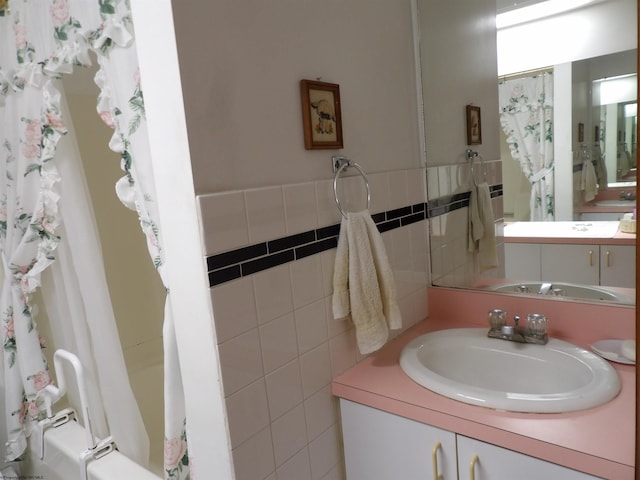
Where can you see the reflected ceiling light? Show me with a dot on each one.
(631, 110)
(538, 11)
(619, 89)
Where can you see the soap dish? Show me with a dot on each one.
(611, 350)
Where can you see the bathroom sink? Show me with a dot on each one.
(570, 290)
(465, 365)
(616, 203)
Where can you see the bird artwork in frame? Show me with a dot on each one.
(321, 115)
(474, 128)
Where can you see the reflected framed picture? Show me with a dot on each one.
(474, 127)
(321, 115)
(581, 132)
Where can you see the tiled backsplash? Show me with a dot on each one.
(279, 345)
(448, 192)
(270, 256)
(245, 261)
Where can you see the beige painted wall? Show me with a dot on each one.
(241, 63)
(459, 67)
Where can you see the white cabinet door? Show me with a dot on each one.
(382, 446)
(570, 263)
(495, 463)
(522, 261)
(618, 266)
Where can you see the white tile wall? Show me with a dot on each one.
(223, 221)
(265, 214)
(279, 344)
(300, 207)
(451, 263)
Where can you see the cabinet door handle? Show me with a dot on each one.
(472, 467)
(591, 258)
(607, 255)
(434, 458)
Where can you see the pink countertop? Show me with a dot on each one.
(593, 208)
(599, 441)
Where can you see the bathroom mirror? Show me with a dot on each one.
(615, 113)
(595, 122)
(613, 80)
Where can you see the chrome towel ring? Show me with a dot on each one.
(341, 164)
(471, 155)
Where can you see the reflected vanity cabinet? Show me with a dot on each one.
(383, 446)
(589, 264)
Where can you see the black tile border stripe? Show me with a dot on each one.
(227, 266)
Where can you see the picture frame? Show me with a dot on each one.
(580, 132)
(474, 125)
(321, 115)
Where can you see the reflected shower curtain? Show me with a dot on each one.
(42, 40)
(526, 116)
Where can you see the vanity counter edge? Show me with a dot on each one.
(599, 441)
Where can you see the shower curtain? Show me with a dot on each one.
(526, 116)
(43, 209)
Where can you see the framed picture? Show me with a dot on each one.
(321, 116)
(581, 132)
(474, 128)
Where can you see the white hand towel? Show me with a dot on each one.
(601, 170)
(363, 284)
(9, 473)
(588, 181)
(482, 234)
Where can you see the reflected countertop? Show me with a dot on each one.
(578, 232)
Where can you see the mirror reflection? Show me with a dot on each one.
(569, 216)
(615, 111)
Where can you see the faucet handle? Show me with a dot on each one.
(537, 324)
(497, 318)
(516, 319)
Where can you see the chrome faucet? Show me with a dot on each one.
(545, 288)
(627, 195)
(535, 331)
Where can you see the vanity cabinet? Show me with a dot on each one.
(587, 264)
(570, 263)
(617, 266)
(383, 446)
(522, 261)
(490, 462)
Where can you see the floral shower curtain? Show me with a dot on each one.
(526, 116)
(43, 40)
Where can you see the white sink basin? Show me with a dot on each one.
(570, 290)
(616, 203)
(465, 365)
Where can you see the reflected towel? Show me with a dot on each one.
(363, 284)
(9, 473)
(601, 170)
(588, 181)
(482, 234)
